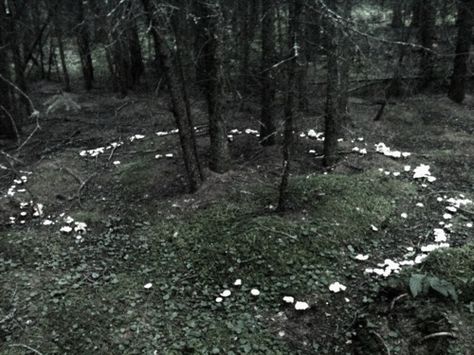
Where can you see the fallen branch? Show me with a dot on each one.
(380, 339)
(26, 347)
(121, 107)
(112, 152)
(9, 316)
(440, 335)
(466, 211)
(396, 299)
(35, 114)
(83, 185)
(69, 171)
(22, 93)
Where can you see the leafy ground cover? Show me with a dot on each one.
(160, 271)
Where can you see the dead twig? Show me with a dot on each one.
(83, 185)
(35, 114)
(9, 316)
(380, 339)
(22, 93)
(121, 107)
(294, 237)
(69, 171)
(112, 152)
(440, 335)
(26, 347)
(8, 156)
(144, 151)
(466, 211)
(396, 299)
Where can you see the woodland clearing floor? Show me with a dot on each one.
(60, 293)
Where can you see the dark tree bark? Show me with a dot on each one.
(121, 63)
(416, 10)
(457, 89)
(294, 40)
(427, 40)
(83, 43)
(246, 9)
(21, 107)
(179, 104)
(397, 13)
(62, 57)
(345, 66)
(7, 126)
(332, 115)
(137, 68)
(303, 60)
(211, 29)
(51, 57)
(199, 44)
(267, 125)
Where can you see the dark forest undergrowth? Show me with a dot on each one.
(147, 274)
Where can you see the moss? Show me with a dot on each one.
(135, 172)
(90, 216)
(242, 238)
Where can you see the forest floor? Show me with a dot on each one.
(120, 259)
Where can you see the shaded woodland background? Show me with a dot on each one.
(225, 51)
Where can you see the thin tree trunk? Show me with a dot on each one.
(457, 89)
(180, 111)
(62, 57)
(84, 47)
(332, 115)
(346, 54)
(137, 68)
(245, 41)
(7, 127)
(121, 64)
(51, 57)
(110, 65)
(294, 40)
(416, 13)
(211, 27)
(18, 63)
(267, 126)
(397, 13)
(427, 39)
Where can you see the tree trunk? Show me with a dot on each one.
(180, 111)
(397, 13)
(332, 115)
(427, 40)
(211, 27)
(84, 47)
(7, 127)
(121, 64)
(267, 126)
(416, 13)
(51, 58)
(294, 40)
(245, 42)
(457, 89)
(62, 57)
(137, 68)
(304, 59)
(110, 65)
(346, 54)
